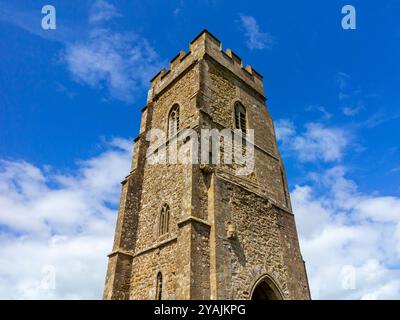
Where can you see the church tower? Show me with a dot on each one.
(203, 229)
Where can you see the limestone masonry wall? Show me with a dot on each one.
(229, 236)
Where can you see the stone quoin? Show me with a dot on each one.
(200, 231)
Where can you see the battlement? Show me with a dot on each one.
(205, 45)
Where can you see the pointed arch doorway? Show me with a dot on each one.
(265, 289)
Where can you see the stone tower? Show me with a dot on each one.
(198, 230)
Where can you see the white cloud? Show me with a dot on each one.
(316, 143)
(121, 62)
(351, 110)
(55, 224)
(102, 11)
(284, 129)
(255, 38)
(341, 227)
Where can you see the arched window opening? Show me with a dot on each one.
(164, 220)
(173, 121)
(159, 286)
(240, 118)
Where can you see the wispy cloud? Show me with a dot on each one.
(102, 11)
(377, 118)
(395, 169)
(317, 143)
(62, 222)
(59, 87)
(343, 79)
(350, 98)
(118, 63)
(325, 114)
(256, 39)
(121, 62)
(353, 101)
(29, 20)
(178, 9)
(353, 110)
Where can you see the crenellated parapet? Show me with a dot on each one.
(205, 45)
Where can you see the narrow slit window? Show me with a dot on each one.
(159, 286)
(173, 121)
(164, 220)
(240, 118)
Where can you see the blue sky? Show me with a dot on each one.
(70, 103)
